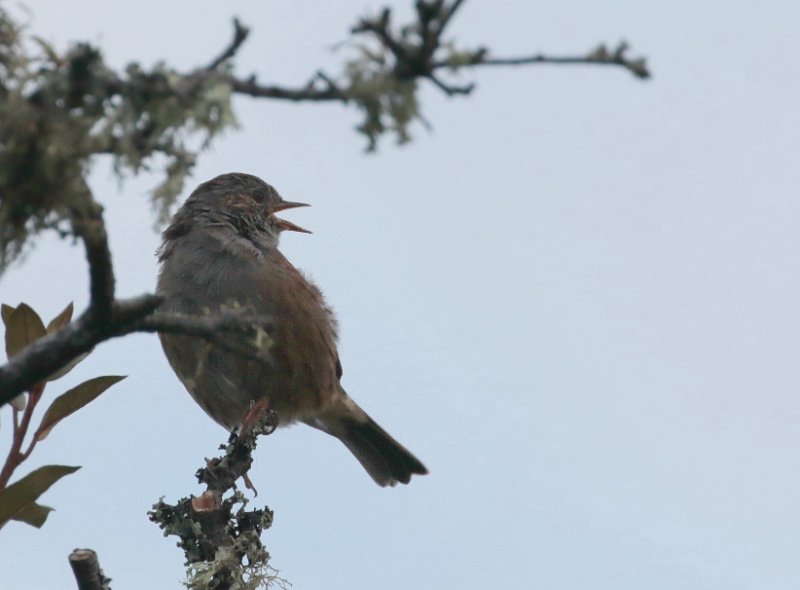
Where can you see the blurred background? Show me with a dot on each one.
(575, 300)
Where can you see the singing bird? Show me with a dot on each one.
(221, 251)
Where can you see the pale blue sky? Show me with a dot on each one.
(576, 300)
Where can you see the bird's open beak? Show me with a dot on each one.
(284, 225)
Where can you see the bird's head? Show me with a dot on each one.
(246, 201)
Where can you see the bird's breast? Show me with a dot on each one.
(297, 369)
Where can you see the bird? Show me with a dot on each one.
(220, 252)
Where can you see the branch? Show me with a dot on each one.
(213, 328)
(600, 56)
(448, 14)
(221, 542)
(380, 28)
(87, 224)
(310, 92)
(45, 356)
(240, 33)
(87, 571)
(452, 90)
(415, 58)
(15, 454)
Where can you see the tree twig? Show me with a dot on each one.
(213, 328)
(309, 92)
(451, 90)
(600, 56)
(380, 28)
(15, 455)
(240, 33)
(447, 15)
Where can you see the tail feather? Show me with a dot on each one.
(386, 460)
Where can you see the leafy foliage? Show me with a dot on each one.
(18, 501)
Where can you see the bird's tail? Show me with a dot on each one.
(386, 460)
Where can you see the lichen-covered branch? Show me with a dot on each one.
(221, 540)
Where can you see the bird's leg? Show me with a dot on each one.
(248, 483)
(259, 419)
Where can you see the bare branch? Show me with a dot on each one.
(88, 225)
(202, 326)
(380, 28)
(47, 355)
(451, 90)
(240, 33)
(600, 56)
(15, 455)
(449, 12)
(213, 328)
(310, 92)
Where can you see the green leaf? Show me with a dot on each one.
(20, 494)
(55, 325)
(33, 514)
(60, 320)
(7, 310)
(22, 327)
(72, 401)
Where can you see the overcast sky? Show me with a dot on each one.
(575, 300)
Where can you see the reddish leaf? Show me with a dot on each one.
(22, 327)
(20, 494)
(6, 310)
(33, 514)
(60, 320)
(72, 401)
